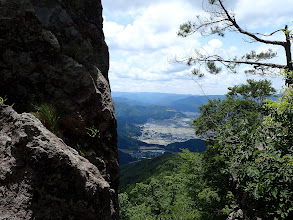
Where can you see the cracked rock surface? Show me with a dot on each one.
(43, 178)
(53, 53)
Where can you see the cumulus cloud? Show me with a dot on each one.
(264, 13)
(147, 46)
(135, 6)
(154, 29)
(142, 39)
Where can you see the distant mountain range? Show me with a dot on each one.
(147, 98)
(139, 114)
(179, 102)
(137, 108)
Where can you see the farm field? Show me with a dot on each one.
(164, 132)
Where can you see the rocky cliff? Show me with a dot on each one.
(42, 178)
(54, 63)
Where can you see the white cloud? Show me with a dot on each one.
(154, 29)
(215, 43)
(136, 6)
(264, 13)
(142, 39)
(147, 46)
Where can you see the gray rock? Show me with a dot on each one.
(42, 178)
(236, 215)
(53, 52)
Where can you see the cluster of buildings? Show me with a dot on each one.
(148, 152)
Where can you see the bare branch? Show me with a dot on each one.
(268, 35)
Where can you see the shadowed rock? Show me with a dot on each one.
(42, 178)
(53, 53)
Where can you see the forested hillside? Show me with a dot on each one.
(192, 103)
(140, 114)
(143, 170)
(171, 187)
(193, 145)
(179, 102)
(131, 117)
(246, 170)
(147, 98)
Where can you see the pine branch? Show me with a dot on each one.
(242, 31)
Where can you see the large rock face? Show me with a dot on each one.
(53, 54)
(42, 178)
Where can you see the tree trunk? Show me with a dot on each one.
(287, 46)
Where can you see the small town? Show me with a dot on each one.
(164, 132)
(148, 152)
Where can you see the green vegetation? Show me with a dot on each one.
(252, 140)
(161, 194)
(131, 174)
(218, 20)
(170, 187)
(126, 131)
(93, 132)
(248, 164)
(74, 50)
(125, 158)
(46, 113)
(193, 145)
(67, 125)
(2, 100)
(140, 114)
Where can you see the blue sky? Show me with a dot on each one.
(142, 40)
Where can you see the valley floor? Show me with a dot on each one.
(167, 131)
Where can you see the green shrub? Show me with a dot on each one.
(46, 113)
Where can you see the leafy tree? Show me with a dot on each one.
(221, 20)
(225, 119)
(248, 164)
(264, 161)
(252, 148)
(256, 90)
(163, 195)
(211, 198)
(177, 189)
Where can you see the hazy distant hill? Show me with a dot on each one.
(149, 98)
(125, 132)
(140, 114)
(180, 102)
(184, 103)
(128, 129)
(125, 158)
(129, 101)
(193, 145)
(191, 103)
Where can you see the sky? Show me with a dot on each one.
(143, 43)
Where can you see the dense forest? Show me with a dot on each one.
(246, 172)
(140, 114)
(247, 166)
